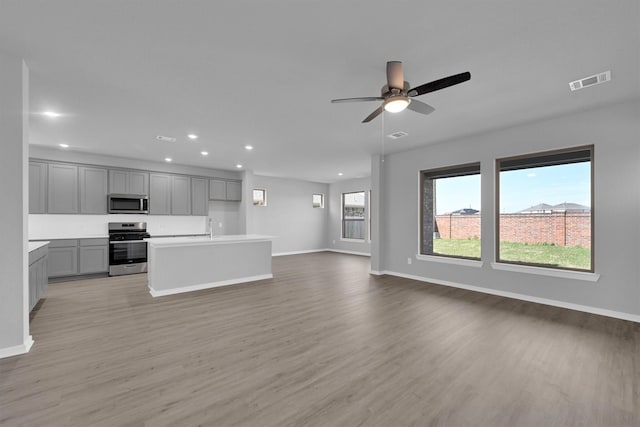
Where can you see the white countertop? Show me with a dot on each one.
(36, 245)
(205, 240)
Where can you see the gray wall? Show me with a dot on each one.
(335, 241)
(615, 133)
(14, 312)
(289, 214)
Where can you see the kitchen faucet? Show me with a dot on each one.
(211, 228)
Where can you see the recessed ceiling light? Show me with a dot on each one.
(204, 153)
(239, 166)
(51, 114)
(248, 147)
(64, 145)
(339, 173)
(168, 159)
(192, 136)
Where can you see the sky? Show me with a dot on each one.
(519, 189)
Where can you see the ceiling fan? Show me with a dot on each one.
(396, 95)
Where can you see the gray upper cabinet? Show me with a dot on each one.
(37, 188)
(217, 189)
(180, 195)
(93, 190)
(199, 196)
(138, 183)
(62, 194)
(234, 191)
(159, 194)
(128, 182)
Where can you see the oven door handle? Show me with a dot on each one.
(127, 241)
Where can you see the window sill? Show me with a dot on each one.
(542, 271)
(342, 239)
(450, 260)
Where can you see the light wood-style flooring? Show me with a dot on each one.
(321, 344)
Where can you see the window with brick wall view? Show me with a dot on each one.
(353, 215)
(450, 216)
(545, 216)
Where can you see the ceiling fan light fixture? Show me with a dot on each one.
(396, 104)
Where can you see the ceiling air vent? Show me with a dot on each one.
(591, 80)
(397, 135)
(165, 138)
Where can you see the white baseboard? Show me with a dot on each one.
(17, 349)
(349, 252)
(199, 287)
(299, 252)
(376, 272)
(578, 307)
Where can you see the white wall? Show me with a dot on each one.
(289, 214)
(45, 227)
(14, 296)
(225, 216)
(615, 133)
(335, 240)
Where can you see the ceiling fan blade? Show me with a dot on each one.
(373, 115)
(439, 84)
(395, 76)
(362, 99)
(420, 107)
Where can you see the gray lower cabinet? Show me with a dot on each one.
(128, 182)
(63, 258)
(93, 256)
(234, 191)
(37, 188)
(93, 190)
(199, 196)
(72, 257)
(38, 277)
(62, 192)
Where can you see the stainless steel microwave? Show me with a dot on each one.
(128, 203)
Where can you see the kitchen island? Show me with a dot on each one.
(185, 264)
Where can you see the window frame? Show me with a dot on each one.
(321, 201)
(343, 220)
(534, 155)
(454, 170)
(264, 198)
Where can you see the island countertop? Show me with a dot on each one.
(206, 240)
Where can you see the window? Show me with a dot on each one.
(353, 215)
(450, 211)
(259, 197)
(317, 200)
(544, 209)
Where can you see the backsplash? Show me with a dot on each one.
(42, 227)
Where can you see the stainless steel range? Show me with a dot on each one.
(127, 250)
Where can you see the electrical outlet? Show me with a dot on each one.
(220, 224)
(334, 242)
(409, 260)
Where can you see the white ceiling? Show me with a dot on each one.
(263, 72)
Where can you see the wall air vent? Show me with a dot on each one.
(165, 138)
(397, 135)
(591, 80)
